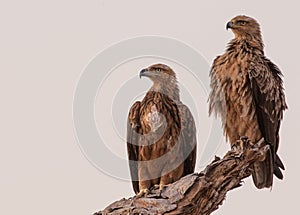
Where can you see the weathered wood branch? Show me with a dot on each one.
(198, 193)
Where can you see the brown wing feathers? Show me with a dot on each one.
(159, 125)
(247, 92)
(133, 130)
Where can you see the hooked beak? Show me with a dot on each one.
(144, 72)
(229, 25)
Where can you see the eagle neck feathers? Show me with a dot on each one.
(242, 44)
(167, 88)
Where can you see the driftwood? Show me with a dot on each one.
(198, 193)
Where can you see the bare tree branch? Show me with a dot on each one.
(198, 193)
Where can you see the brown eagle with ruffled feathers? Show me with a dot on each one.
(161, 133)
(247, 92)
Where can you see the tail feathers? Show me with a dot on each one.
(263, 172)
(278, 162)
(277, 166)
(277, 172)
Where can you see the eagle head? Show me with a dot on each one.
(158, 73)
(244, 27)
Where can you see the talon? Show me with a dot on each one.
(160, 188)
(142, 193)
(156, 186)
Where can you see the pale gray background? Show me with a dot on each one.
(44, 47)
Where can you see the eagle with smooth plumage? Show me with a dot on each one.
(247, 93)
(161, 133)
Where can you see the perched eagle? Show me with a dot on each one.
(247, 92)
(161, 133)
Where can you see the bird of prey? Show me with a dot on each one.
(161, 134)
(247, 93)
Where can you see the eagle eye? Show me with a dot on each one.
(157, 69)
(241, 22)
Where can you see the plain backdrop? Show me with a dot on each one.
(44, 47)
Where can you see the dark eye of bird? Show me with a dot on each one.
(158, 69)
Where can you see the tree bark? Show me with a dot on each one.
(198, 193)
